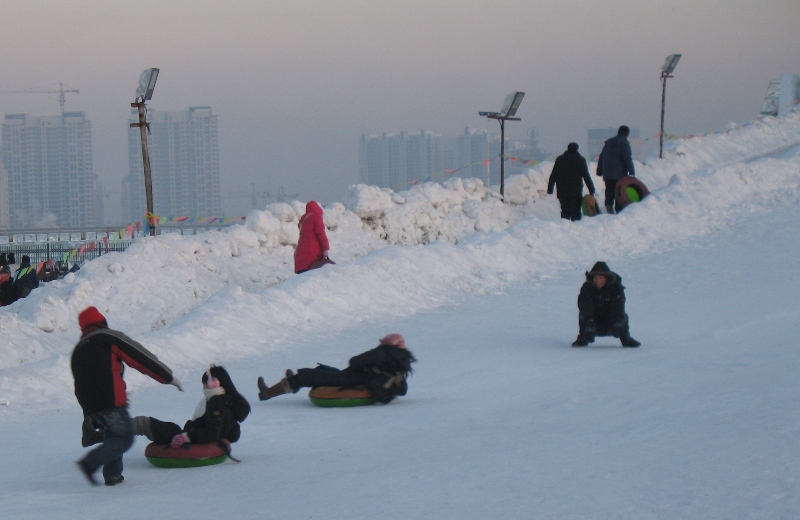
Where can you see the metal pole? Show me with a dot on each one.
(148, 184)
(502, 158)
(663, 99)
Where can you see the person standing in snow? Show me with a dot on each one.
(216, 417)
(25, 278)
(383, 370)
(614, 163)
(601, 308)
(312, 246)
(97, 367)
(568, 175)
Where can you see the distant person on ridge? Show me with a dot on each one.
(312, 246)
(614, 163)
(97, 366)
(601, 308)
(25, 278)
(382, 370)
(569, 173)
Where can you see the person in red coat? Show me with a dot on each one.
(312, 246)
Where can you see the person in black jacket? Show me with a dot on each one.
(614, 163)
(383, 370)
(7, 292)
(216, 417)
(25, 278)
(601, 306)
(97, 366)
(569, 173)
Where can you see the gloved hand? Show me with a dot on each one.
(176, 383)
(178, 441)
(549, 192)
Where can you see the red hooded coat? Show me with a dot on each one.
(313, 240)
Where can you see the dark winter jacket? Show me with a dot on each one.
(313, 240)
(615, 160)
(569, 174)
(607, 305)
(97, 366)
(7, 292)
(223, 415)
(387, 367)
(25, 279)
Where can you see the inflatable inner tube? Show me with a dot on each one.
(331, 396)
(629, 190)
(589, 206)
(187, 456)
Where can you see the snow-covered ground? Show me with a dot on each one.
(503, 418)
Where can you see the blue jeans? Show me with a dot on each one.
(118, 437)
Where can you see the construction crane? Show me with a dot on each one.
(62, 91)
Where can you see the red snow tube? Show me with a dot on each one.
(331, 396)
(187, 456)
(630, 189)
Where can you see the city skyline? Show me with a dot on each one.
(295, 85)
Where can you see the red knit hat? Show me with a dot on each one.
(393, 339)
(90, 316)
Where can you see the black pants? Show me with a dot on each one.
(604, 325)
(324, 375)
(611, 194)
(571, 208)
(163, 431)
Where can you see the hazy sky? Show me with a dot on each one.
(295, 83)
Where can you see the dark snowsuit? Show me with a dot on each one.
(569, 173)
(383, 370)
(221, 420)
(97, 366)
(615, 162)
(25, 279)
(604, 309)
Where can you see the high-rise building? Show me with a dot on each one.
(4, 208)
(397, 160)
(51, 179)
(184, 161)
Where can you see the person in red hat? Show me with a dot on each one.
(383, 370)
(98, 366)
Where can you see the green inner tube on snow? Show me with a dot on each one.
(633, 194)
(187, 456)
(164, 462)
(332, 397)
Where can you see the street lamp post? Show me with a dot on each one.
(510, 107)
(147, 83)
(666, 70)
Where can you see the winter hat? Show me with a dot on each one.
(601, 269)
(572, 147)
(393, 339)
(91, 316)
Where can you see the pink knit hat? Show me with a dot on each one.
(393, 339)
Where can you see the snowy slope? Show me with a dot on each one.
(503, 418)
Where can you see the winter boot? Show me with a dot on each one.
(580, 342)
(628, 341)
(142, 426)
(268, 392)
(609, 209)
(113, 481)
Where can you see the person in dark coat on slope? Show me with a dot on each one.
(614, 163)
(383, 370)
(7, 292)
(98, 366)
(312, 245)
(569, 173)
(216, 417)
(601, 308)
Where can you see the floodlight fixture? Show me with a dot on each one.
(666, 70)
(507, 113)
(147, 84)
(511, 104)
(670, 64)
